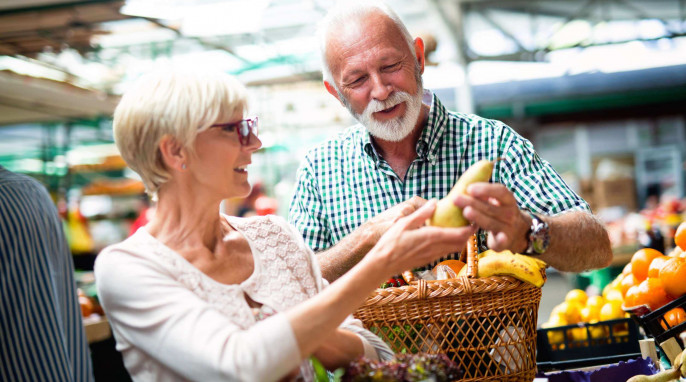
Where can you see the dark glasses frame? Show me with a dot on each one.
(243, 127)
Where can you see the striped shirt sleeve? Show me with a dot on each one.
(41, 331)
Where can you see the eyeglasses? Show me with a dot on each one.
(243, 127)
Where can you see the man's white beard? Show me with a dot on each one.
(396, 129)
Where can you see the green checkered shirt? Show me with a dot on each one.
(344, 182)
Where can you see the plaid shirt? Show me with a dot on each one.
(344, 182)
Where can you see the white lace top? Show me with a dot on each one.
(172, 322)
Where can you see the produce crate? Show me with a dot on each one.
(655, 325)
(599, 343)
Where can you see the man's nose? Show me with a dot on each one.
(380, 88)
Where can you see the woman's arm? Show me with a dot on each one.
(153, 312)
(407, 244)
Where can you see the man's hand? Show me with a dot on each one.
(492, 207)
(378, 225)
(337, 260)
(578, 239)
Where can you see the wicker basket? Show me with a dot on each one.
(486, 325)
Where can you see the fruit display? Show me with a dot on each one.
(405, 367)
(579, 309)
(651, 279)
(447, 214)
(112, 162)
(105, 186)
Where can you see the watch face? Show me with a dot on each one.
(539, 238)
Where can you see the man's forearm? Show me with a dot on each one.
(578, 242)
(338, 259)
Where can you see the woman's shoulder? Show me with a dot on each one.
(138, 248)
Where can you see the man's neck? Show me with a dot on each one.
(400, 155)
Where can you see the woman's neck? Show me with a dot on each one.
(186, 223)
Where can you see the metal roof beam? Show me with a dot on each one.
(52, 7)
(202, 41)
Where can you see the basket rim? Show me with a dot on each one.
(427, 289)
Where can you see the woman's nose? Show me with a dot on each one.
(254, 142)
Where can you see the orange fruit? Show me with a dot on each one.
(641, 260)
(673, 276)
(656, 265)
(577, 295)
(630, 298)
(627, 282)
(448, 269)
(676, 252)
(595, 303)
(611, 310)
(627, 269)
(614, 294)
(674, 317)
(571, 311)
(680, 236)
(652, 293)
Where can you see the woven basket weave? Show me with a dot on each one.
(487, 325)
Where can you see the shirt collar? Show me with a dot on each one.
(427, 146)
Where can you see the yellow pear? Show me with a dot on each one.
(447, 214)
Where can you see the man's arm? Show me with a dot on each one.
(578, 240)
(338, 259)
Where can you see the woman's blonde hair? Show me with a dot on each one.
(171, 102)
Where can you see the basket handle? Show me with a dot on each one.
(472, 258)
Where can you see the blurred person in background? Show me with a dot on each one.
(247, 206)
(41, 330)
(408, 148)
(198, 295)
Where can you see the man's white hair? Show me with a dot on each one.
(342, 13)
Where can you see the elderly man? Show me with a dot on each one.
(408, 148)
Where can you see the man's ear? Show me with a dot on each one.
(332, 90)
(419, 52)
(173, 154)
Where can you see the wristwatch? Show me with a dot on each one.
(538, 236)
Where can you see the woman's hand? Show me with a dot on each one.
(339, 349)
(409, 243)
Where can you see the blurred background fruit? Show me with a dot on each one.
(680, 236)
(577, 295)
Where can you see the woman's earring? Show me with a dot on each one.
(183, 166)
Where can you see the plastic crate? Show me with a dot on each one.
(654, 323)
(605, 342)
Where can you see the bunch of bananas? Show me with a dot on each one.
(506, 263)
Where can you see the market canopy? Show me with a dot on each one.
(25, 99)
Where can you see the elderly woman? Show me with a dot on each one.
(196, 295)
